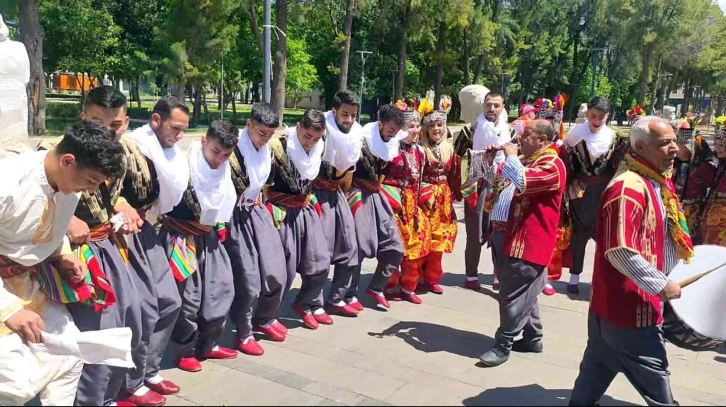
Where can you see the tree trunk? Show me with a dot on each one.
(280, 69)
(137, 93)
(32, 34)
(234, 110)
(466, 58)
(478, 68)
(656, 84)
(197, 104)
(345, 57)
(251, 10)
(645, 74)
(402, 53)
(440, 55)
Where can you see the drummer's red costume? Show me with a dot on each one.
(713, 221)
(641, 235)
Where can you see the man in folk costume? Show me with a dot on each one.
(253, 243)
(530, 239)
(693, 175)
(193, 234)
(39, 192)
(641, 236)
(440, 187)
(342, 151)
(295, 165)
(527, 113)
(402, 184)
(376, 231)
(713, 220)
(594, 154)
(93, 230)
(157, 290)
(491, 128)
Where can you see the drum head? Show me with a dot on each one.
(702, 305)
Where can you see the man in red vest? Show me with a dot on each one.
(534, 214)
(641, 235)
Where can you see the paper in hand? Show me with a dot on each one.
(109, 347)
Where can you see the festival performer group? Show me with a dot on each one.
(109, 229)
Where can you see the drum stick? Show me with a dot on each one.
(690, 280)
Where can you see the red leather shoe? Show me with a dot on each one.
(473, 285)
(189, 364)
(356, 305)
(164, 387)
(271, 332)
(393, 295)
(412, 298)
(150, 399)
(436, 289)
(344, 310)
(125, 404)
(220, 353)
(323, 319)
(279, 327)
(379, 299)
(307, 317)
(496, 286)
(251, 348)
(549, 291)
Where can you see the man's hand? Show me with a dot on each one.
(672, 291)
(131, 216)
(78, 231)
(511, 149)
(27, 324)
(491, 154)
(72, 269)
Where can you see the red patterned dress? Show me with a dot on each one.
(401, 186)
(713, 222)
(440, 188)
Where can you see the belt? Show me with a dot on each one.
(9, 268)
(185, 227)
(101, 232)
(367, 185)
(289, 201)
(326, 184)
(498, 226)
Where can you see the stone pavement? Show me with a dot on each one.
(426, 355)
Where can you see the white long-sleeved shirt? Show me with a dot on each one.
(34, 218)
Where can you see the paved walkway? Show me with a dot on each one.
(426, 355)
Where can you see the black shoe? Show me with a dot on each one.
(573, 289)
(525, 346)
(493, 358)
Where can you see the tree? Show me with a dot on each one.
(33, 36)
(301, 74)
(345, 55)
(280, 68)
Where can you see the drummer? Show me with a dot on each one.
(630, 279)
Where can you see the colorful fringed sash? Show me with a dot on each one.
(183, 256)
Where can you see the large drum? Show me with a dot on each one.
(697, 321)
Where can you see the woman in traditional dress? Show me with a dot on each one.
(713, 221)
(440, 188)
(401, 184)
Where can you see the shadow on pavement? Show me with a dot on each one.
(532, 395)
(720, 359)
(429, 338)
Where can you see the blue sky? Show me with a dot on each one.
(722, 3)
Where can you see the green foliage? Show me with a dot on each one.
(301, 73)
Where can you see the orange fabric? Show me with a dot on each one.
(434, 269)
(410, 274)
(440, 212)
(413, 226)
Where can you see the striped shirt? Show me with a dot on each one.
(500, 211)
(513, 170)
(636, 268)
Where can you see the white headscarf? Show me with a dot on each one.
(342, 150)
(172, 168)
(258, 164)
(386, 151)
(214, 188)
(307, 164)
(597, 143)
(488, 134)
(4, 30)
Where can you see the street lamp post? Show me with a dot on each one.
(362, 75)
(503, 76)
(267, 51)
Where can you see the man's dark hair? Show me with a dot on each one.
(345, 97)
(313, 119)
(263, 114)
(95, 148)
(493, 94)
(390, 113)
(167, 104)
(600, 103)
(224, 131)
(106, 97)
